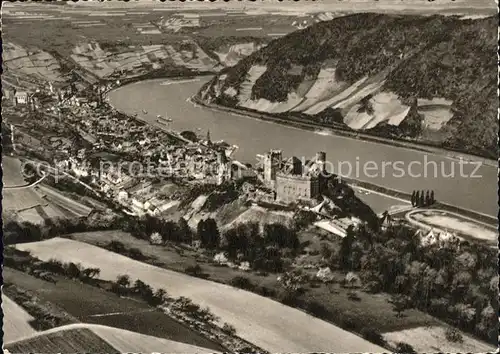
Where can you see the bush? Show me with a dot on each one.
(242, 283)
(123, 280)
(72, 271)
(453, 335)
(405, 348)
(116, 246)
(155, 239)
(264, 291)
(229, 329)
(353, 296)
(117, 289)
(193, 270)
(373, 336)
(289, 298)
(136, 254)
(316, 309)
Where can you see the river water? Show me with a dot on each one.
(393, 167)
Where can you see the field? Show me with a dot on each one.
(170, 258)
(16, 321)
(26, 203)
(373, 311)
(433, 340)
(88, 338)
(131, 342)
(59, 199)
(264, 328)
(64, 341)
(98, 306)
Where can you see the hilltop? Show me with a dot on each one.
(425, 78)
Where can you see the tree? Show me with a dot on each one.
(72, 270)
(229, 329)
(160, 295)
(233, 242)
(195, 271)
(123, 280)
(189, 135)
(432, 198)
(400, 303)
(427, 199)
(326, 252)
(281, 236)
(453, 335)
(155, 239)
(139, 286)
(209, 235)
(346, 249)
(185, 234)
(90, 273)
(413, 195)
(242, 283)
(201, 229)
(169, 231)
(417, 199)
(422, 199)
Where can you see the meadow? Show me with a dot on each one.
(264, 327)
(90, 304)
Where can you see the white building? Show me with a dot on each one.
(21, 97)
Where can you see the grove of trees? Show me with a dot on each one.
(421, 199)
(457, 283)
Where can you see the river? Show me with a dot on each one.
(393, 167)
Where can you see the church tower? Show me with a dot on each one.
(209, 141)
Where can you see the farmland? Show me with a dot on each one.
(26, 204)
(263, 328)
(127, 342)
(64, 341)
(90, 304)
(87, 338)
(57, 198)
(372, 310)
(16, 321)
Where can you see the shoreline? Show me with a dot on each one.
(304, 125)
(482, 217)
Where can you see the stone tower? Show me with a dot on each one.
(272, 163)
(223, 168)
(321, 161)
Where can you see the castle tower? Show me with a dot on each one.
(321, 161)
(272, 163)
(223, 170)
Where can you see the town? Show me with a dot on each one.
(172, 178)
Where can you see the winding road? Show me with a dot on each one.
(26, 185)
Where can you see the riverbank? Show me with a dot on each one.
(255, 136)
(390, 192)
(482, 217)
(303, 124)
(485, 218)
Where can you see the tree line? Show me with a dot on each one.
(456, 282)
(421, 199)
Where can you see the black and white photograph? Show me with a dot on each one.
(250, 176)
